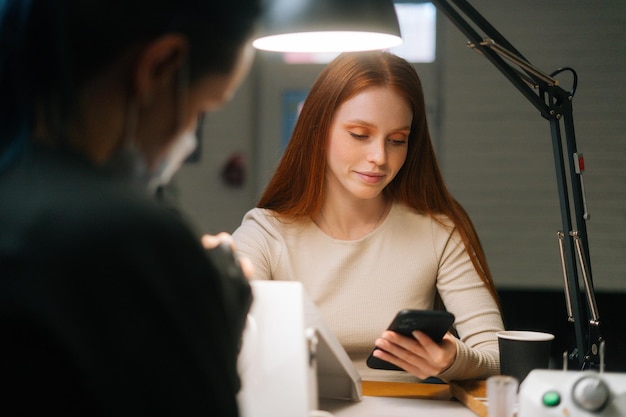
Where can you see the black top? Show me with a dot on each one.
(109, 305)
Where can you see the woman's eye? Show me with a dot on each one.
(358, 136)
(398, 142)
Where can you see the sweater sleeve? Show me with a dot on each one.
(257, 240)
(477, 315)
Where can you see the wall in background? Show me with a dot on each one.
(210, 204)
(494, 147)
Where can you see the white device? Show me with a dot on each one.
(547, 393)
(289, 358)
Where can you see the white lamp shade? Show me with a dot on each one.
(328, 26)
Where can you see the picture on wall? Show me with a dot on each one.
(292, 101)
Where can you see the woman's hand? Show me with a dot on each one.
(419, 355)
(212, 241)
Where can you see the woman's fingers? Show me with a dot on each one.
(246, 266)
(212, 241)
(416, 365)
(419, 354)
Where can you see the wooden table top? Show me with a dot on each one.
(473, 394)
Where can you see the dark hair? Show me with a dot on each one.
(297, 188)
(50, 48)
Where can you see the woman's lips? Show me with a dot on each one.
(370, 177)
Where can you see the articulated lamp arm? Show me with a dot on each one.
(555, 105)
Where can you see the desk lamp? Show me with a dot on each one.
(320, 26)
(364, 20)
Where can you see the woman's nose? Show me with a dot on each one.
(377, 152)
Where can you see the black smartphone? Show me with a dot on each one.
(435, 323)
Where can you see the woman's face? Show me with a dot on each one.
(368, 142)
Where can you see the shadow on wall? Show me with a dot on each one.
(544, 310)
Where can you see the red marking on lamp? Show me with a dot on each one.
(581, 163)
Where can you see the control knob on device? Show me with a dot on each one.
(590, 393)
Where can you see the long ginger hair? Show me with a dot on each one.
(297, 188)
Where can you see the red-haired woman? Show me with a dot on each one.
(357, 210)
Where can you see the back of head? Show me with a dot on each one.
(50, 48)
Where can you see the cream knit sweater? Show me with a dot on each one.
(359, 285)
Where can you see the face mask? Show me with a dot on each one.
(130, 163)
(180, 150)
